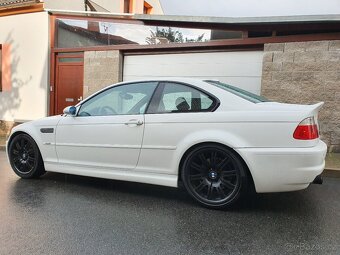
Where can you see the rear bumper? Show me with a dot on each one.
(284, 169)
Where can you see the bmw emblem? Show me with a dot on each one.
(213, 175)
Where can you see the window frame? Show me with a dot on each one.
(127, 6)
(155, 99)
(112, 87)
(242, 93)
(5, 68)
(1, 60)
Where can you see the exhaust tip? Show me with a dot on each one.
(318, 180)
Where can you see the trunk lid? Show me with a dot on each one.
(300, 113)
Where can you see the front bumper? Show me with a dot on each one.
(6, 149)
(284, 169)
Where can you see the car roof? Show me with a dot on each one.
(173, 79)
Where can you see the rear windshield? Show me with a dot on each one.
(239, 92)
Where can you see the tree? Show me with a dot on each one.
(169, 35)
(164, 35)
(198, 39)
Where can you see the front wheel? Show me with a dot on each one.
(214, 175)
(24, 157)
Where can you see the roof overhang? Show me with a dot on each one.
(20, 7)
(205, 19)
(91, 14)
(304, 22)
(241, 20)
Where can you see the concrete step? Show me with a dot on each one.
(333, 161)
(332, 168)
(2, 141)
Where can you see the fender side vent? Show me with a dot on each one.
(47, 130)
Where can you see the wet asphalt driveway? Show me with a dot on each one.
(64, 214)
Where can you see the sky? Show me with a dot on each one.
(250, 8)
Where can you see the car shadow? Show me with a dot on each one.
(298, 201)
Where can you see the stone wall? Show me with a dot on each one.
(6, 127)
(101, 68)
(306, 73)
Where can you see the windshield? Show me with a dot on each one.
(239, 92)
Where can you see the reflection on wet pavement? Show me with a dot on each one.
(65, 214)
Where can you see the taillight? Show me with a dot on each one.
(306, 130)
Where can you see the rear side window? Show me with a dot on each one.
(173, 97)
(239, 92)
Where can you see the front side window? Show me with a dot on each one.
(128, 99)
(181, 98)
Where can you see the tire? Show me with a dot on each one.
(214, 175)
(25, 157)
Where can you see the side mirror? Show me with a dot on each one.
(70, 110)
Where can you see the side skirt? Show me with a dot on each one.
(133, 176)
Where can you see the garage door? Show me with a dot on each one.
(242, 69)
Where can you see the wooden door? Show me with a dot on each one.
(69, 80)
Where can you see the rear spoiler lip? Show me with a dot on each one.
(317, 106)
(314, 109)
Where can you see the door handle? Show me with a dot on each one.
(134, 122)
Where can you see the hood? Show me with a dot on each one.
(47, 121)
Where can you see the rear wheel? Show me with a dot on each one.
(214, 175)
(25, 158)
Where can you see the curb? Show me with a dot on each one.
(331, 172)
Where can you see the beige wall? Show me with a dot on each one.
(72, 5)
(114, 6)
(28, 37)
(78, 5)
(101, 68)
(306, 72)
(110, 5)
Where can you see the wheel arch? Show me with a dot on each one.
(18, 132)
(185, 154)
(38, 167)
(11, 137)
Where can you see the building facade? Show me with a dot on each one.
(112, 6)
(288, 59)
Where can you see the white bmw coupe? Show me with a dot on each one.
(216, 139)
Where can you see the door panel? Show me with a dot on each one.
(162, 134)
(104, 141)
(69, 81)
(108, 129)
(169, 122)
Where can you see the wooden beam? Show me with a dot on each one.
(51, 87)
(227, 43)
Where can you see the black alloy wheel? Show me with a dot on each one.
(25, 158)
(214, 175)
